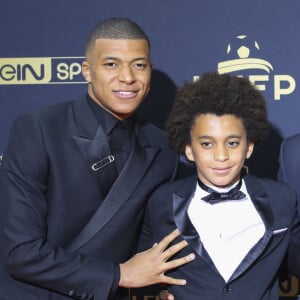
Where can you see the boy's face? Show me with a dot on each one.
(219, 148)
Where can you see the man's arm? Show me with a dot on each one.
(29, 256)
(149, 267)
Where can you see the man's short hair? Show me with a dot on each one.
(117, 29)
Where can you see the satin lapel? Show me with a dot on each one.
(92, 143)
(183, 223)
(137, 165)
(261, 202)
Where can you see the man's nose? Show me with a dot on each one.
(126, 74)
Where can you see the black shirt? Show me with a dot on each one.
(120, 142)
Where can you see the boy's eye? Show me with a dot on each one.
(206, 144)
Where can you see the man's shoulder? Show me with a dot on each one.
(53, 109)
(295, 137)
(52, 114)
(292, 142)
(151, 134)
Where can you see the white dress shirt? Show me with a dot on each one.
(228, 229)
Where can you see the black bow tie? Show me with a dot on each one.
(215, 197)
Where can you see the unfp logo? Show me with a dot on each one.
(41, 70)
(243, 58)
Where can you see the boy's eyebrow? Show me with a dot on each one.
(211, 137)
(238, 136)
(204, 137)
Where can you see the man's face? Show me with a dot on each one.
(118, 73)
(219, 148)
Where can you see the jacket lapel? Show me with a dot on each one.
(138, 163)
(261, 202)
(92, 143)
(180, 206)
(183, 223)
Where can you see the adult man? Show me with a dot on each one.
(73, 196)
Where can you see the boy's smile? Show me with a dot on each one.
(219, 148)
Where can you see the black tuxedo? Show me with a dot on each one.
(62, 238)
(256, 276)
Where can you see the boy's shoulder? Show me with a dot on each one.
(266, 187)
(265, 182)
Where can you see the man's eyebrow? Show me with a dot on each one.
(119, 59)
(110, 58)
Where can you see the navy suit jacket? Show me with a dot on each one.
(61, 240)
(289, 171)
(256, 276)
(289, 164)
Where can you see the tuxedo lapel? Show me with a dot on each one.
(261, 202)
(180, 206)
(183, 223)
(134, 170)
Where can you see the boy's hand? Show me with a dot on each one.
(149, 267)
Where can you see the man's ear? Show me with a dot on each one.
(189, 153)
(86, 71)
(249, 150)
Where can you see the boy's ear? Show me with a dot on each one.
(189, 153)
(250, 150)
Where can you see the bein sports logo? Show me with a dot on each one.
(243, 60)
(41, 70)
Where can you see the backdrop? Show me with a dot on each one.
(42, 47)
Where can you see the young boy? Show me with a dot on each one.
(240, 237)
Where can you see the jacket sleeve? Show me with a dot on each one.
(282, 172)
(293, 257)
(29, 256)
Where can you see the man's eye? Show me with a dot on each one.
(140, 66)
(110, 64)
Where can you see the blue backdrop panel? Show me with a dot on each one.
(42, 46)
